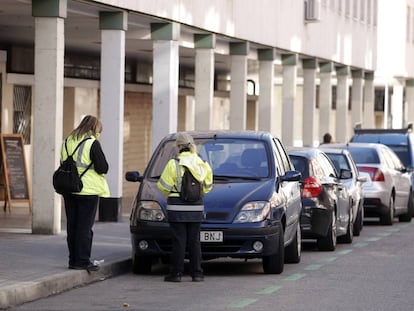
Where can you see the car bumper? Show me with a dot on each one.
(237, 240)
(376, 202)
(315, 222)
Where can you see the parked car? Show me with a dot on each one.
(352, 179)
(388, 190)
(401, 141)
(253, 210)
(326, 204)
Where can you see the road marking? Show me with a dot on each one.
(294, 277)
(269, 290)
(372, 239)
(244, 302)
(329, 259)
(384, 234)
(313, 267)
(360, 244)
(344, 251)
(393, 230)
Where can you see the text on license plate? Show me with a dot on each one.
(211, 236)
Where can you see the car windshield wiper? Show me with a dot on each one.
(226, 177)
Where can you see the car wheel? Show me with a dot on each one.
(387, 218)
(407, 217)
(274, 264)
(141, 264)
(349, 236)
(294, 249)
(328, 243)
(359, 222)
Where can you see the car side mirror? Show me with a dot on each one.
(133, 176)
(291, 176)
(345, 174)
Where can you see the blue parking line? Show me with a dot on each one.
(384, 234)
(360, 244)
(329, 259)
(372, 239)
(244, 302)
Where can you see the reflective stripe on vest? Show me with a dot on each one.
(185, 208)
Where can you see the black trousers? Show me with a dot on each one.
(186, 234)
(80, 217)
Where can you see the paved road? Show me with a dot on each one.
(373, 273)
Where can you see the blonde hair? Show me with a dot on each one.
(89, 125)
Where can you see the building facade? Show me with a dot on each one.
(297, 69)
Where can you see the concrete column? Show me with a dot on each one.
(369, 108)
(238, 85)
(47, 112)
(357, 96)
(397, 105)
(165, 80)
(325, 98)
(409, 97)
(342, 100)
(309, 101)
(113, 26)
(266, 96)
(204, 80)
(289, 63)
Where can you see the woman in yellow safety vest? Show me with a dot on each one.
(185, 217)
(81, 207)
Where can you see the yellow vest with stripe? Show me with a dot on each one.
(93, 183)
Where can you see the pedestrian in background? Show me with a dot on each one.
(327, 139)
(185, 217)
(81, 207)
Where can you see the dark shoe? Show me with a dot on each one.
(198, 278)
(90, 267)
(173, 278)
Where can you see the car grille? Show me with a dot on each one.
(229, 246)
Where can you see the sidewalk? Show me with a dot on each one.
(36, 266)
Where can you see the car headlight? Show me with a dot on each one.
(150, 210)
(253, 212)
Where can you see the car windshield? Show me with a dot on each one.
(364, 155)
(241, 158)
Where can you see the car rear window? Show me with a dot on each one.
(364, 155)
(301, 165)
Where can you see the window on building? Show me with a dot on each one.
(340, 7)
(407, 26)
(369, 11)
(348, 8)
(22, 110)
(355, 9)
(332, 4)
(362, 10)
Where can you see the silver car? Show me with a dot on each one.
(352, 179)
(388, 190)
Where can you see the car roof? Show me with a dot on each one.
(357, 145)
(224, 134)
(308, 152)
(334, 150)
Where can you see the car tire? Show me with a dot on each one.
(359, 222)
(293, 250)
(141, 264)
(328, 243)
(407, 216)
(349, 236)
(274, 264)
(386, 219)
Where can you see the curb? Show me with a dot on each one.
(23, 292)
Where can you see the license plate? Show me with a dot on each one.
(211, 236)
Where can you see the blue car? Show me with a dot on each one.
(253, 210)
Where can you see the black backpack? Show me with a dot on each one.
(66, 178)
(191, 188)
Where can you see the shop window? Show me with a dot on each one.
(22, 110)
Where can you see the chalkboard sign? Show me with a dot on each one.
(14, 168)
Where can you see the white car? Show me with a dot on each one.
(388, 190)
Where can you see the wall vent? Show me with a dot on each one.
(312, 10)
